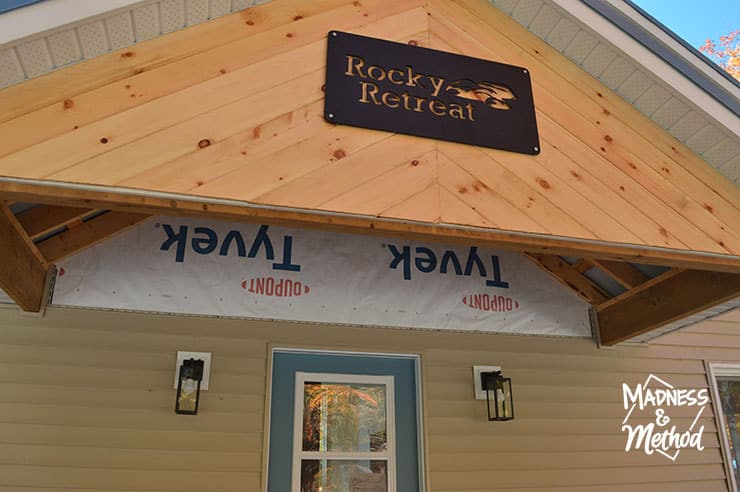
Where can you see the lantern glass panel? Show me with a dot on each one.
(188, 388)
(504, 404)
(188, 400)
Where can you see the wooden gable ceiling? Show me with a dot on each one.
(233, 110)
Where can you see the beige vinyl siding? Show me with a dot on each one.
(86, 402)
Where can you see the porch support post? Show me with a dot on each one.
(22, 268)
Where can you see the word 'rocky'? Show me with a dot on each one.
(370, 92)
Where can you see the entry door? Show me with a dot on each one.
(342, 422)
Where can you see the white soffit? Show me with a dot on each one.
(5, 298)
(647, 81)
(52, 34)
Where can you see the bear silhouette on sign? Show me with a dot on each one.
(492, 95)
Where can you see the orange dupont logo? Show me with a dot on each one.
(492, 95)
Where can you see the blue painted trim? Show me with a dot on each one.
(6, 5)
(627, 25)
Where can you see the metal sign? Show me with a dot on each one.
(372, 83)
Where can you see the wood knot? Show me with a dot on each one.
(323, 87)
(127, 54)
(608, 138)
(543, 183)
(249, 22)
(414, 162)
(462, 190)
(339, 154)
(297, 17)
(199, 182)
(414, 42)
(222, 71)
(289, 35)
(606, 112)
(103, 140)
(256, 132)
(709, 208)
(356, 3)
(575, 174)
(68, 103)
(204, 143)
(665, 170)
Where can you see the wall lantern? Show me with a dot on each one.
(192, 372)
(492, 386)
(498, 396)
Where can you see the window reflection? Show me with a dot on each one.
(343, 476)
(344, 417)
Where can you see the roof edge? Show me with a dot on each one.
(660, 54)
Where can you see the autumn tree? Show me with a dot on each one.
(725, 53)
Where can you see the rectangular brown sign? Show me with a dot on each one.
(372, 83)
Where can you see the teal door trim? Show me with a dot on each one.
(409, 432)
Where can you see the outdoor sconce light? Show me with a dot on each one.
(192, 376)
(498, 394)
(492, 386)
(188, 387)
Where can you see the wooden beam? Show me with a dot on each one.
(22, 271)
(583, 265)
(111, 199)
(87, 234)
(675, 296)
(624, 273)
(570, 277)
(43, 219)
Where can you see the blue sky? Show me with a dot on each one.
(695, 20)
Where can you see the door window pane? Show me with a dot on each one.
(344, 417)
(729, 393)
(344, 475)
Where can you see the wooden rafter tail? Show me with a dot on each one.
(667, 298)
(570, 277)
(88, 234)
(583, 265)
(624, 273)
(45, 219)
(23, 273)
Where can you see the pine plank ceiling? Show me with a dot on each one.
(227, 118)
